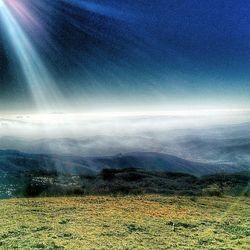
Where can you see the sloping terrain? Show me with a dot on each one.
(124, 181)
(24, 174)
(131, 222)
(14, 161)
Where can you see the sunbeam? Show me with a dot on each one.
(42, 87)
(100, 9)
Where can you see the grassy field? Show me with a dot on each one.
(132, 222)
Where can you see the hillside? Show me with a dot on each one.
(123, 181)
(15, 161)
(23, 174)
(131, 222)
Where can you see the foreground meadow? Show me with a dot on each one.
(131, 222)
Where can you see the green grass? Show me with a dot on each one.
(132, 222)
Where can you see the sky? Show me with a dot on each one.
(124, 55)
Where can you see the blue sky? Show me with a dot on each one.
(126, 54)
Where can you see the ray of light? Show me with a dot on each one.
(23, 13)
(43, 89)
(101, 9)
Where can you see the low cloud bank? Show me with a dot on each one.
(202, 136)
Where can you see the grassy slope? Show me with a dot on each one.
(140, 222)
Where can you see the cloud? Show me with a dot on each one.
(115, 124)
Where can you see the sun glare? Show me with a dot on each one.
(1, 3)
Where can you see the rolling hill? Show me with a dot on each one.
(15, 161)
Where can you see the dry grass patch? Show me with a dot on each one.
(130, 222)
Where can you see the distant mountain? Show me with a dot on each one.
(162, 162)
(15, 161)
(220, 145)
